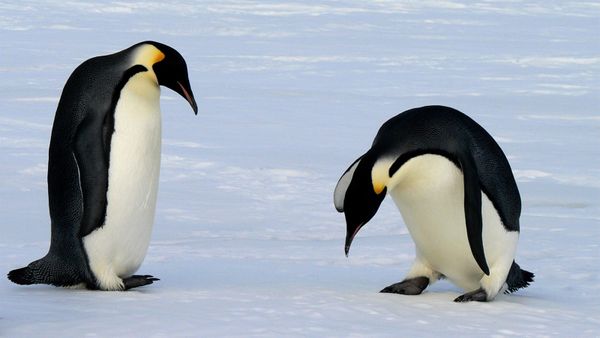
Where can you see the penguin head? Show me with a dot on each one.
(358, 196)
(171, 71)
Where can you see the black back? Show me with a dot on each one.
(448, 132)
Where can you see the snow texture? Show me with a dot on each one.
(247, 241)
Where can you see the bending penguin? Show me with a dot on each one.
(103, 168)
(458, 198)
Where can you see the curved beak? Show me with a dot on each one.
(188, 95)
(350, 238)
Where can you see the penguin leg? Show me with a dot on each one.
(138, 280)
(493, 283)
(417, 279)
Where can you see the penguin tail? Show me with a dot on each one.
(518, 278)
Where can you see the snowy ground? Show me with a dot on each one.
(246, 240)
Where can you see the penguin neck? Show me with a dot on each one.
(413, 172)
(425, 173)
(146, 88)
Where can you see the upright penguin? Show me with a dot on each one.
(457, 195)
(103, 168)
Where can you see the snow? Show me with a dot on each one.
(247, 241)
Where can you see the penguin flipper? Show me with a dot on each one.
(472, 205)
(92, 162)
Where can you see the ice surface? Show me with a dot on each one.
(247, 241)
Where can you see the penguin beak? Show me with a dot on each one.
(350, 238)
(188, 95)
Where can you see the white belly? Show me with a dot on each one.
(118, 248)
(429, 193)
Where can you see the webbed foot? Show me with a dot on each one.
(413, 286)
(138, 280)
(478, 295)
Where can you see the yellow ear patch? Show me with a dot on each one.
(378, 187)
(379, 174)
(158, 56)
(147, 55)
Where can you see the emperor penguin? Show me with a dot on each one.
(103, 168)
(456, 193)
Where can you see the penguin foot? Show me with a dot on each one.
(22, 276)
(138, 280)
(478, 295)
(413, 286)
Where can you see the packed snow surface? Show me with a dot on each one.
(246, 240)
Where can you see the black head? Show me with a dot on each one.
(171, 72)
(356, 196)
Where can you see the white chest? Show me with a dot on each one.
(429, 192)
(119, 246)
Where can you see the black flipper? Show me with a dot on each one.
(473, 211)
(92, 162)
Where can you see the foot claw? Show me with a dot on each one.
(138, 280)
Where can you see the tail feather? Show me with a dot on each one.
(518, 278)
